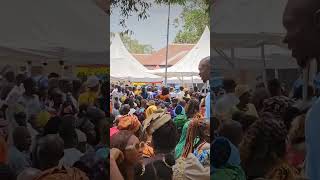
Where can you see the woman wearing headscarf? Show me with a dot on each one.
(267, 161)
(244, 105)
(151, 108)
(130, 123)
(180, 118)
(225, 161)
(192, 108)
(131, 148)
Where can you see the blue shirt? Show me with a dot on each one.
(312, 142)
(207, 103)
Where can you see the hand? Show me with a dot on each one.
(117, 155)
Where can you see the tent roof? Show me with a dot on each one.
(124, 66)
(74, 31)
(243, 23)
(188, 65)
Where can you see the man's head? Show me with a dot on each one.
(232, 130)
(302, 21)
(10, 77)
(49, 151)
(29, 85)
(229, 85)
(22, 138)
(274, 87)
(204, 69)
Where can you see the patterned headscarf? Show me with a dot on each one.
(277, 106)
(129, 122)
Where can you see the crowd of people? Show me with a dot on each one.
(53, 127)
(259, 132)
(160, 132)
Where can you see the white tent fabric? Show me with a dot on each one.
(185, 80)
(123, 66)
(71, 30)
(188, 65)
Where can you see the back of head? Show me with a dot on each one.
(158, 169)
(232, 130)
(270, 136)
(229, 85)
(21, 138)
(274, 87)
(67, 130)
(165, 138)
(49, 151)
(124, 110)
(192, 108)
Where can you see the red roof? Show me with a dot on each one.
(175, 53)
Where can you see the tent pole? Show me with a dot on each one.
(166, 73)
(276, 73)
(235, 63)
(192, 81)
(264, 73)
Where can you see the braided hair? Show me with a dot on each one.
(265, 140)
(195, 130)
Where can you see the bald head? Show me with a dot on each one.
(205, 69)
(302, 22)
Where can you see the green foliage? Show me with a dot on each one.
(194, 17)
(133, 45)
(140, 8)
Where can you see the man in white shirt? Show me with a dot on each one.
(180, 94)
(204, 73)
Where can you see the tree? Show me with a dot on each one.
(195, 17)
(133, 45)
(141, 7)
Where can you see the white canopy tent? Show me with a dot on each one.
(188, 65)
(74, 31)
(185, 80)
(123, 66)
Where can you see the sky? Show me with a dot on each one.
(152, 30)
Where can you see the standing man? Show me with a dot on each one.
(204, 72)
(302, 22)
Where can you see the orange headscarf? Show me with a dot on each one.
(3, 151)
(129, 122)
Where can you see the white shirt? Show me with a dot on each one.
(71, 156)
(225, 104)
(173, 94)
(180, 95)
